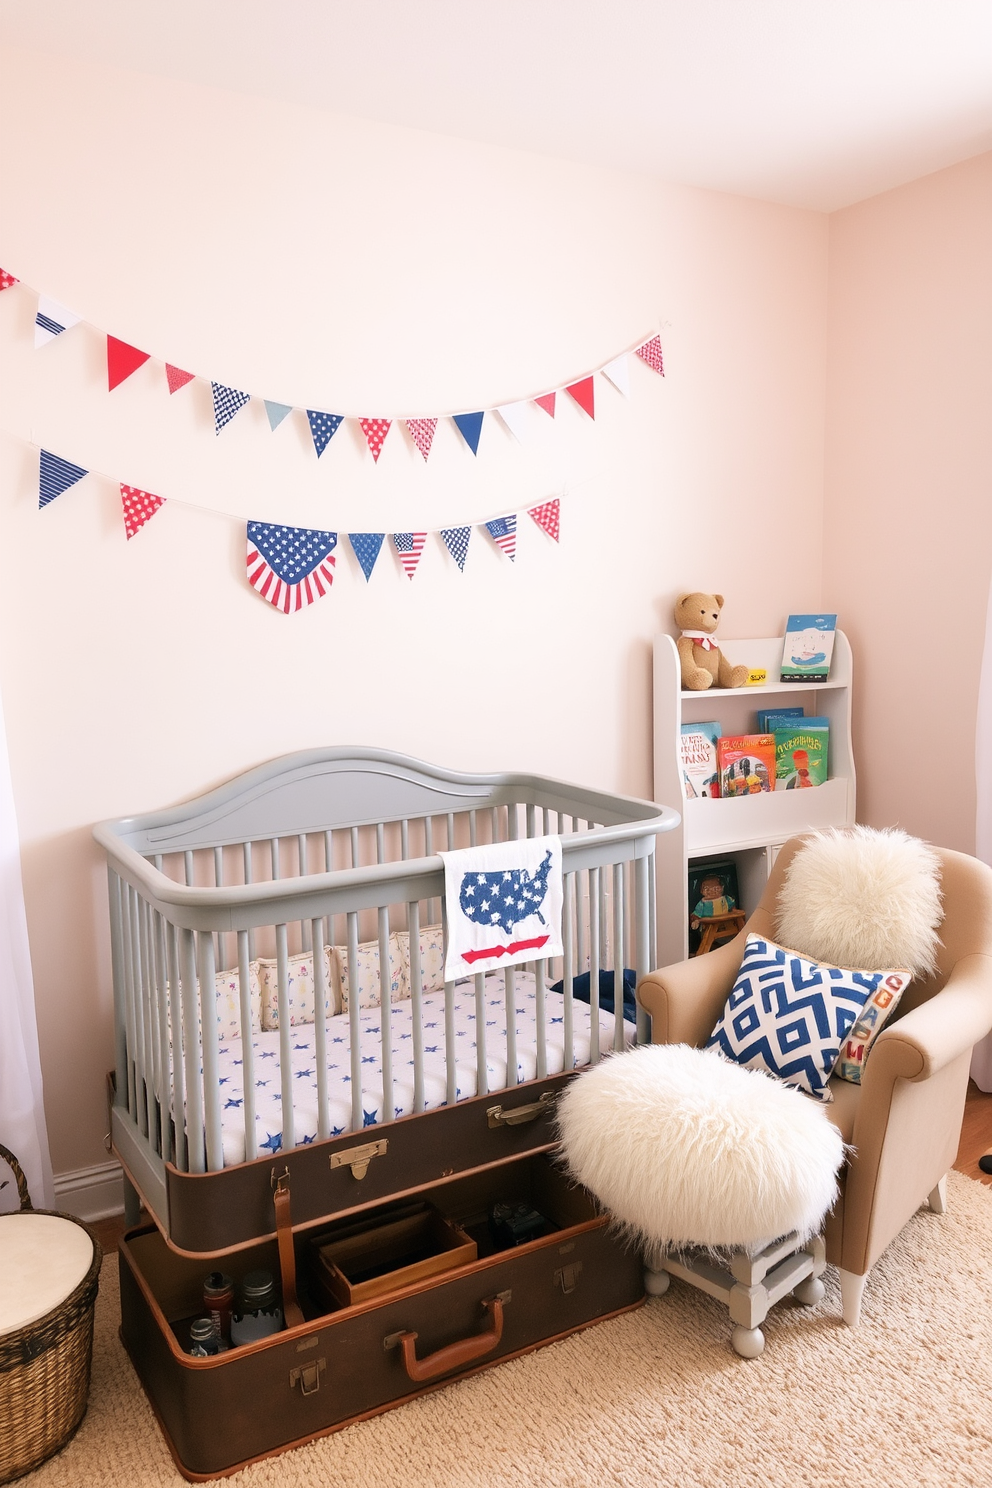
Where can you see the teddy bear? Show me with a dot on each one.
(703, 663)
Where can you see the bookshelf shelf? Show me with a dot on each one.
(749, 829)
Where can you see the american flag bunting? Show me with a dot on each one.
(290, 566)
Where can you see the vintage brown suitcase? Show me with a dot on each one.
(334, 1367)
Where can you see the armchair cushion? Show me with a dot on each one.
(790, 1015)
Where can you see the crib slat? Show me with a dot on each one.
(191, 1055)
(594, 963)
(568, 968)
(642, 926)
(247, 1046)
(320, 1026)
(385, 1017)
(163, 1064)
(301, 849)
(619, 958)
(175, 1020)
(510, 1006)
(207, 968)
(540, 1018)
(354, 1024)
(481, 1063)
(150, 1020)
(246, 851)
(416, 1003)
(139, 1061)
(120, 1000)
(285, 1042)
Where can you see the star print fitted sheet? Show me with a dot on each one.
(267, 1080)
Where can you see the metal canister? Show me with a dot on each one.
(218, 1302)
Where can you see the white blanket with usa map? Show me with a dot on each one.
(503, 903)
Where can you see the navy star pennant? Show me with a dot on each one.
(290, 566)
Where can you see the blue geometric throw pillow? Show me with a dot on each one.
(790, 1015)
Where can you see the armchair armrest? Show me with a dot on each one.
(685, 1000)
(938, 1031)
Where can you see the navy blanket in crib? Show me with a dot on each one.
(580, 989)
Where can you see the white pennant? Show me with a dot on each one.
(516, 416)
(618, 371)
(52, 319)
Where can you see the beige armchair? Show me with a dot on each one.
(904, 1120)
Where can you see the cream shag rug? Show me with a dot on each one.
(657, 1397)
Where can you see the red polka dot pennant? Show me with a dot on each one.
(139, 507)
(650, 353)
(375, 431)
(547, 516)
(177, 377)
(422, 432)
(6, 280)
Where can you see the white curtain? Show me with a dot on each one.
(981, 1059)
(22, 1114)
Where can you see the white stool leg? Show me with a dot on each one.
(937, 1198)
(656, 1283)
(851, 1291)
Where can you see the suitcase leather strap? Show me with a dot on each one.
(291, 1310)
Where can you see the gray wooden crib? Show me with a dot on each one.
(277, 949)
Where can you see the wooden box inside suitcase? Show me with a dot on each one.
(351, 1361)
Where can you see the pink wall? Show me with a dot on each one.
(344, 265)
(907, 550)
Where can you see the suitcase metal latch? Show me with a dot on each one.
(519, 1115)
(358, 1158)
(307, 1376)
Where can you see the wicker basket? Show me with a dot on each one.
(45, 1366)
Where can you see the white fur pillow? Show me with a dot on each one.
(685, 1148)
(863, 898)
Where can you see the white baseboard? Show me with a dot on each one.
(91, 1193)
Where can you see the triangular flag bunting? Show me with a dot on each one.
(177, 377)
(547, 402)
(456, 541)
(276, 412)
(139, 507)
(514, 416)
(618, 371)
(6, 280)
(547, 516)
(56, 475)
(290, 566)
(122, 360)
(375, 431)
(367, 546)
(470, 428)
(582, 392)
(51, 320)
(227, 402)
(503, 531)
(422, 433)
(650, 353)
(323, 427)
(409, 546)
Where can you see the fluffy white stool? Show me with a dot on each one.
(723, 1174)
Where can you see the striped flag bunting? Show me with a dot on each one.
(6, 280)
(138, 507)
(582, 392)
(503, 531)
(375, 431)
(366, 547)
(470, 428)
(276, 412)
(409, 546)
(422, 432)
(291, 567)
(56, 475)
(51, 320)
(456, 540)
(227, 402)
(177, 377)
(547, 516)
(122, 360)
(547, 402)
(323, 427)
(650, 354)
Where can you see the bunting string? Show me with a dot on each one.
(123, 360)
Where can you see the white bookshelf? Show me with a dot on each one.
(750, 829)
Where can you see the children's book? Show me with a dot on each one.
(801, 753)
(712, 891)
(809, 644)
(769, 719)
(699, 768)
(747, 764)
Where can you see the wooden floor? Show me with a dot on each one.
(976, 1138)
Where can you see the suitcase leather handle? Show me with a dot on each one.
(454, 1355)
(291, 1310)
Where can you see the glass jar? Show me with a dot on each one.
(218, 1302)
(259, 1311)
(203, 1340)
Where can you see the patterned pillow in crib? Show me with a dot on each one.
(227, 990)
(368, 972)
(432, 958)
(302, 1004)
(792, 1016)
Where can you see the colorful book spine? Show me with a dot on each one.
(769, 719)
(747, 764)
(699, 766)
(808, 647)
(802, 754)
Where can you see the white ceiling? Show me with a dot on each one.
(815, 103)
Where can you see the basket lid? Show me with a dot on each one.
(43, 1258)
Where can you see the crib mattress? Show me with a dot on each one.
(267, 1075)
